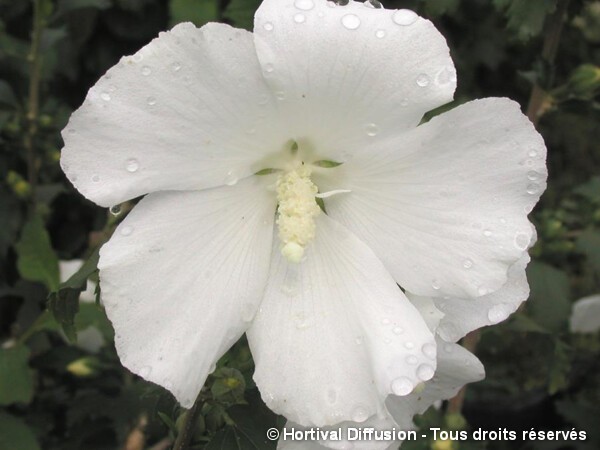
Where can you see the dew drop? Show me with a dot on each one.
(269, 68)
(429, 350)
(446, 75)
(126, 231)
(423, 80)
(498, 313)
(532, 175)
(132, 165)
(425, 372)
(487, 233)
(533, 188)
(398, 330)
(268, 26)
(481, 290)
(351, 21)
(532, 153)
(467, 263)
(402, 386)
(115, 210)
(435, 284)
(404, 17)
(299, 18)
(151, 101)
(360, 414)
(105, 96)
(385, 321)
(231, 178)
(145, 371)
(380, 34)
(176, 67)
(304, 5)
(409, 345)
(280, 95)
(96, 178)
(412, 360)
(522, 240)
(146, 71)
(358, 340)
(371, 129)
(404, 102)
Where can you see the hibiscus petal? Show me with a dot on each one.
(461, 316)
(188, 111)
(334, 335)
(445, 206)
(345, 74)
(182, 277)
(456, 367)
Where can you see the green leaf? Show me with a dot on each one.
(67, 6)
(440, 7)
(64, 302)
(16, 378)
(590, 189)
(241, 13)
(559, 368)
(549, 303)
(15, 434)
(249, 431)
(199, 12)
(7, 95)
(327, 164)
(588, 243)
(36, 258)
(526, 17)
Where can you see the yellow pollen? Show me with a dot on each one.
(297, 211)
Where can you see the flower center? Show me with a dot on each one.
(297, 211)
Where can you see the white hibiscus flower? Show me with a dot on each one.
(440, 209)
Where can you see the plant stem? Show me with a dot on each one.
(183, 438)
(553, 29)
(469, 342)
(35, 68)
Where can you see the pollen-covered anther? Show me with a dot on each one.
(297, 211)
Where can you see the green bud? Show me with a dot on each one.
(18, 184)
(45, 120)
(83, 367)
(585, 81)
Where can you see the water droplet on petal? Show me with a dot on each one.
(268, 26)
(146, 71)
(482, 290)
(380, 34)
(126, 230)
(533, 188)
(412, 360)
(532, 153)
(280, 95)
(435, 284)
(145, 371)
(231, 179)
(467, 263)
(132, 165)
(299, 18)
(385, 321)
(409, 345)
(105, 96)
(269, 68)
(304, 5)
(498, 313)
(351, 21)
(429, 350)
(402, 386)
(151, 101)
(404, 102)
(398, 330)
(360, 414)
(446, 75)
(404, 17)
(532, 175)
(522, 240)
(487, 233)
(176, 67)
(115, 210)
(358, 340)
(96, 178)
(371, 129)
(423, 80)
(425, 372)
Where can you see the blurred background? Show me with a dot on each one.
(61, 383)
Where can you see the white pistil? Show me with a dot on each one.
(297, 211)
